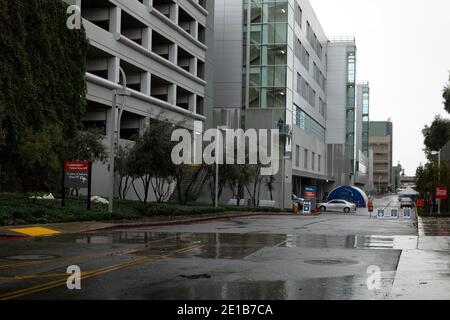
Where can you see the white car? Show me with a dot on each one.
(406, 203)
(337, 206)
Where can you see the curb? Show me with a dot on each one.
(8, 237)
(189, 221)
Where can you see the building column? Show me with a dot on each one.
(115, 19)
(147, 38)
(146, 83)
(194, 29)
(173, 54)
(172, 94)
(113, 69)
(193, 103)
(193, 67)
(174, 13)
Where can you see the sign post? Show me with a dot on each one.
(77, 174)
(441, 194)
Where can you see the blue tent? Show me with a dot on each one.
(350, 194)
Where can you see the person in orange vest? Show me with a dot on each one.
(370, 206)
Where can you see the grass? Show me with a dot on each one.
(15, 209)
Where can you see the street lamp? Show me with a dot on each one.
(438, 153)
(216, 185)
(115, 133)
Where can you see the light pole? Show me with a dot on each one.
(216, 184)
(438, 153)
(116, 115)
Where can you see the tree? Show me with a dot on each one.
(150, 160)
(43, 90)
(39, 160)
(446, 96)
(211, 181)
(122, 169)
(255, 180)
(269, 182)
(182, 173)
(437, 135)
(238, 178)
(86, 146)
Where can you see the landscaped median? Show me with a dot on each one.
(16, 209)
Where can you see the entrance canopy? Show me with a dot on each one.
(350, 194)
(409, 192)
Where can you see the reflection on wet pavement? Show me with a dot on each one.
(434, 226)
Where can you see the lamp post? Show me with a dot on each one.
(216, 185)
(116, 115)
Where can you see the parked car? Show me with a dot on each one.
(406, 203)
(337, 206)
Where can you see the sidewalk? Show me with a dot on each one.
(423, 273)
(82, 227)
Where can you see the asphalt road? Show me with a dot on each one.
(324, 257)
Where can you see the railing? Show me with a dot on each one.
(342, 39)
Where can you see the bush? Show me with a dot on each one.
(179, 210)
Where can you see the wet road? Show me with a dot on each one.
(325, 257)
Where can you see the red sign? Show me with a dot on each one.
(441, 193)
(82, 166)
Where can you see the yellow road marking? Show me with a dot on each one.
(33, 276)
(36, 231)
(87, 275)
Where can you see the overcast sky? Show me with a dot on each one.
(404, 52)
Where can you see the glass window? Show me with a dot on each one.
(297, 156)
(351, 56)
(256, 13)
(254, 97)
(277, 55)
(299, 16)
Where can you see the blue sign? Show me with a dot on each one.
(307, 208)
(310, 189)
(380, 213)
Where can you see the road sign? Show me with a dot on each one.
(394, 213)
(380, 213)
(307, 208)
(441, 193)
(406, 213)
(77, 175)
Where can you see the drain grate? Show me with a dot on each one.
(30, 257)
(196, 276)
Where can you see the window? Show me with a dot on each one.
(299, 16)
(319, 164)
(351, 62)
(305, 160)
(308, 124)
(297, 156)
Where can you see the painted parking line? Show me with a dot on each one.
(91, 274)
(36, 231)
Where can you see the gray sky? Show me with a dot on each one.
(404, 52)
